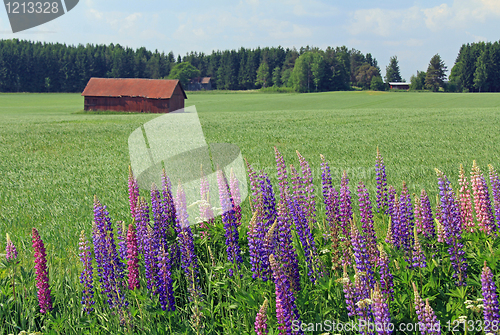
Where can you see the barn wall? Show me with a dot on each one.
(177, 99)
(127, 104)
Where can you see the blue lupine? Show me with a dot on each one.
(365, 208)
(490, 300)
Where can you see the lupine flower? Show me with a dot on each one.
(495, 189)
(365, 208)
(282, 174)
(165, 284)
(482, 202)
(307, 181)
(418, 259)
(381, 179)
(254, 187)
(490, 299)
(363, 306)
(386, 278)
(142, 224)
(229, 220)
(284, 245)
(86, 278)
(361, 257)
(42, 274)
(261, 320)
(381, 313)
(418, 215)
(426, 215)
(392, 211)
(451, 224)
(255, 246)
(109, 266)
(406, 220)
(427, 321)
(10, 249)
(388, 235)
(345, 205)
(189, 260)
(350, 293)
(133, 192)
(326, 177)
(234, 186)
(121, 234)
(132, 259)
(206, 212)
(169, 219)
(433, 325)
(286, 310)
(465, 202)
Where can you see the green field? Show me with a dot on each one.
(54, 158)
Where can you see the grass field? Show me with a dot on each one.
(54, 159)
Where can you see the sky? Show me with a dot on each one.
(413, 31)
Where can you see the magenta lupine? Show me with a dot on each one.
(286, 310)
(426, 215)
(87, 276)
(495, 189)
(230, 224)
(133, 192)
(165, 284)
(234, 186)
(490, 300)
(465, 202)
(10, 249)
(261, 320)
(206, 212)
(386, 278)
(381, 314)
(365, 209)
(451, 224)
(42, 273)
(482, 202)
(189, 260)
(381, 179)
(132, 259)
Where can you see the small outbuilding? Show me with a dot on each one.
(200, 83)
(134, 95)
(399, 86)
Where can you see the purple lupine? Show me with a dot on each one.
(388, 235)
(255, 246)
(326, 177)
(165, 283)
(234, 186)
(206, 212)
(426, 215)
(284, 245)
(345, 205)
(381, 313)
(362, 259)
(229, 220)
(365, 209)
(332, 207)
(482, 202)
(10, 249)
(302, 227)
(132, 259)
(189, 260)
(286, 310)
(406, 220)
(418, 215)
(418, 259)
(452, 228)
(133, 192)
(121, 235)
(495, 189)
(392, 211)
(86, 277)
(307, 181)
(42, 274)
(381, 179)
(151, 260)
(282, 174)
(261, 320)
(490, 299)
(427, 320)
(157, 214)
(465, 202)
(350, 293)
(169, 219)
(142, 224)
(109, 266)
(363, 306)
(252, 175)
(433, 325)
(386, 278)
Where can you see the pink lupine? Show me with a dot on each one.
(261, 320)
(10, 249)
(132, 260)
(206, 212)
(482, 203)
(133, 192)
(465, 202)
(42, 274)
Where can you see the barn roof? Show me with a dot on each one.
(130, 87)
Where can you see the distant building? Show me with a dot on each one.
(134, 95)
(399, 86)
(200, 83)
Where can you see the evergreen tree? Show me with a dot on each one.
(262, 75)
(436, 73)
(392, 74)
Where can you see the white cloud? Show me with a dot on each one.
(437, 16)
(383, 22)
(311, 8)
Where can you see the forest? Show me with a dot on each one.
(27, 66)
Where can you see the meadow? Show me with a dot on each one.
(54, 158)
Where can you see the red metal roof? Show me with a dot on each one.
(131, 87)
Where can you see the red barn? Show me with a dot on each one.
(134, 95)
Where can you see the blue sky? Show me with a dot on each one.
(412, 30)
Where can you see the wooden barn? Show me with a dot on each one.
(399, 86)
(134, 95)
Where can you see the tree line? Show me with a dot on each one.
(27, 66)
